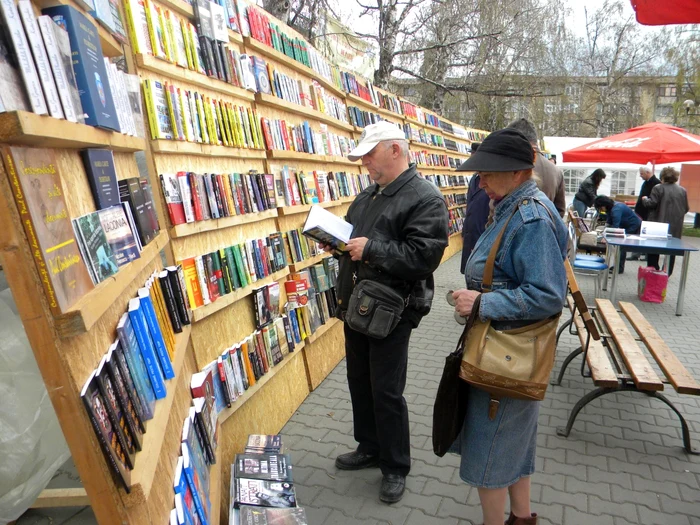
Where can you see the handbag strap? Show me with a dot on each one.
(473, 315)
(487, 281)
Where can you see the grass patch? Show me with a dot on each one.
(691, 232)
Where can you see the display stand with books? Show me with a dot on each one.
(226, 202)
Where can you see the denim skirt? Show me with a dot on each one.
(497, 453)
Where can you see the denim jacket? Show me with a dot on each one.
(529, 279)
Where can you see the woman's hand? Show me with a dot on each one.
(464, 301)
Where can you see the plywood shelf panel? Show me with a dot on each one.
(29, 129)
(177, 73)
(453, 189)
(458, 206)
(143, 475)
(291, 107)
(193, 228)
(434, 169)
(260, 383)
(304, 208)
(180, 7)
(277, 154)
(350, 97)
(88, 309)
(296, 267)
(420, 145)
(225, 300)
(269, 52)
(68, 497)
(319, 333)
(179, 147)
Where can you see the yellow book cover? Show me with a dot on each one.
(187, 39)
(150, 109)
(236, 125)
(229, 194)
(153, 29)
(202, 119)
(173, 51)
(164, 35)
(162, 315)
(245, 123)
(194, 48)
(138, 26)
(211, 119)
(186, 117)
(247, 363)
(304, 327)
(222, 125)
(254, 128)
(171, 108)
(227, 122)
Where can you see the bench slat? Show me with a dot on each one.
(602, 371)
(580, 302)
(637, 364)
(677, 374)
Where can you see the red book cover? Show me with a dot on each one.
(265, 259)
(285, 135)
(268, 33)
(260, 348)
(222, 192)
(202, 384)
(196, 202)
(173, 198)
(267, 133)
(319, 193)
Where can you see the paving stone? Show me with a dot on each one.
(419, 517)
(574, 516)
(647, 499)
(650, 516)
(602, 507)
(396, 514)
(565, 497)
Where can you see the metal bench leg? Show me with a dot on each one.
(684, 424)
(561, 330)
(568, 360)
(598, 392)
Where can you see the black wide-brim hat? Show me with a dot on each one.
(503, 150)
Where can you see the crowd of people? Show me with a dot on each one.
(515, 206)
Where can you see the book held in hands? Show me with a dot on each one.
(326, 228)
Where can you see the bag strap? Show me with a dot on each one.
(473, 316)
(487, 281)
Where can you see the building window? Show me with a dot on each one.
(622, 182)
(667, 91)
(573, 91)
(573, 179)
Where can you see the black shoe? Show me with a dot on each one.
(356, 460)
(392, 489)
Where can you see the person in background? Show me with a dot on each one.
(476, 216)
(587, 191)
(498, 454)
(553, 159)
(650, 180)
(619, 215)
(668, 202)
(549, 178)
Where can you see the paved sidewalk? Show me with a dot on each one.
(622, 464)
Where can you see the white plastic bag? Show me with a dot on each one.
(32, 446)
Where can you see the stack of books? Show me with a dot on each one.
(120, 394)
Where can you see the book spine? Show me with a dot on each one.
(148, 352)
(170, 302)
(186, 194)
(202, 276)
(157, 337)
(178, 294)
(62, 85)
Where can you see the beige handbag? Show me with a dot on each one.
(509, 363)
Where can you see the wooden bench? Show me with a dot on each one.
(615, 360)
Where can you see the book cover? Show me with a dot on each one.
(155, 333)
(137, 365)
(262, 79)
(184, 501)
(13, 96)
(203, 415)
(88, 65)
(118, 234)
(135, 12)
(151, 214)
(158, 113)
(194, 483)
(271, 467)
(260, 443)
(116, 415)
(173, 198)
(202, 387)
(176, 278)
(102, 176)
(251, 515)
(145, 345)
(189, 267)
(98, 250)
(38, 193)
(97, 411)
(117, 361)
(126, 405)
(264, 493)
(190, 439)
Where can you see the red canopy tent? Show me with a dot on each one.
(654, 13)
(655, 142)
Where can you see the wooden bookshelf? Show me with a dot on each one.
(215, 471)
(179, 147)
(422, 145)
(304, 208)
(453, 189)
(89, 308)
(278, 154)
(179, 6)
(354, 99)
(322, 330)
(225, 300)
(260, 383)
(146, 461)
(291, 107)
(296, 267)
(234, 37)
(29, 129)
(388, 113)
(457, 206)
(193, 228)
(271, 53)
(434, 169)
(180, 74)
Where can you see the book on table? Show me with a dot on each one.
(654, 230)
(326, 228)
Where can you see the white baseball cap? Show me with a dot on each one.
(373, 135)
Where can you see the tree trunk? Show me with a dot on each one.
(278, 8)
(386, 63)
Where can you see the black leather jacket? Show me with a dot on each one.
(406, 225)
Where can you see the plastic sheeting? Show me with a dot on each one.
(32, 446)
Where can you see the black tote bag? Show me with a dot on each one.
(450, 406)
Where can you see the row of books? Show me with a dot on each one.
(426, 158)
(426, 137)
(120, 394)
(362, 88)
(280, 135)
(455, 225)
(457, 213)
(175, 113)
(361, 118)
(300, 247)
(300, 188)
(447, 181)
(262, 485)
(226, 270)
(389, 102)
(456, 199)
(53, 65)
(458, 146)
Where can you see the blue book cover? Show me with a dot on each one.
(190, 438)
(219, 399)
(154, 330)
(309, 137)
(194, 483)
(184, 501)
(138, 321)
(137, 367)
(262, 79)
(294, 321)
(257, 259)
(99, 167)
(88, 65)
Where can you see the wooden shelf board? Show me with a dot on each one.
(89, 308)
(457, 206)
(291, 107)
(455, 233)
(420, 145)
(452, 189)
(180, 7)
(389, 113)
(350, 97)
(225, 300)
(234, 37)
(435, 169)
(193, 228)
(215, 485)
(29, 129)
(238, 403)
(317, 335)
(278, 154)
(304, 208)
(296, 267)
(146, 461)
(179, 147)
(68, 497)
(162, 67)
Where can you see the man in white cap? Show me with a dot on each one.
(400, 231)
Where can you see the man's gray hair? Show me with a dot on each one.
(645, 169)
(525, 127)
(403, 145)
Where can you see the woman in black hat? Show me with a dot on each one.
(529, 284)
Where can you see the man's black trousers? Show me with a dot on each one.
(377, 377)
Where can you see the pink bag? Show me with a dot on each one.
(651, 286)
